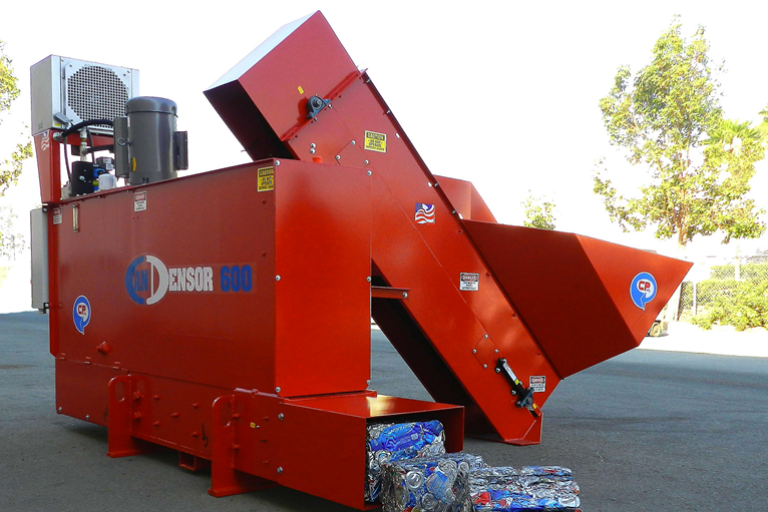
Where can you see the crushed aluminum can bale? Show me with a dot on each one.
(393, 442)
(550, 471)
(541, 488)
(438, 484)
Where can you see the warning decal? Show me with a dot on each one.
(538, 383)
(375, 141)
(266, 179)
(469, 282)
(57, 215)
(140, 201)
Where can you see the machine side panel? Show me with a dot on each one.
(39, 247)
(149, 264)
(323, 259)
(338, 453)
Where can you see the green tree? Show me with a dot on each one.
(670, 122)
(539, 213)
(12, 243)
(10, 168)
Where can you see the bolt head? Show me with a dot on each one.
(313, 145)
(368, 382)
(368, 279)
(279, 471)
(486, 336)
(367, 162)
(496, 351)
(474, 351)
(485, 366)
(87, 417)
(277, 278)
(312, 151)
(498, 370)
(280, 416)
(277, 389)
(277, 162)
(405, 295)
(369, 172)
(353, 143)
(59, 410)
(338, 157)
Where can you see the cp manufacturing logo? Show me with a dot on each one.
(81, 313)
(643, 289)
(425, 213)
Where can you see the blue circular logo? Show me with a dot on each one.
(643, 289)
(81, 313)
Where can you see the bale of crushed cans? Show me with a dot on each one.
(432, 484)
(543, 488)
(393, 442)
(407, 468)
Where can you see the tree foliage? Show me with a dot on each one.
(10, 168)
(539, 213)
(669, 120)
(12, 242)
(745, 306)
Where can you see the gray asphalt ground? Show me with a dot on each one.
(646, 431)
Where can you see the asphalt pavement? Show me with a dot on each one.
(660, 431)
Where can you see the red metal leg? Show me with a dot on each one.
(532, 436)
(225, 479)
(119, 440)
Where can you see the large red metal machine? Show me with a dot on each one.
(226, 314)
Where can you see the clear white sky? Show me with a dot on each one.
(504, 94)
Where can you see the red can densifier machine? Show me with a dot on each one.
(226, 314)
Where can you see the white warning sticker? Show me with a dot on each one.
(140, 201)
(469, 282)
(538, 383)
(57, 215)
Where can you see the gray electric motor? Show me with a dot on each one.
(147, 146)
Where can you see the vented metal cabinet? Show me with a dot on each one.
(80, 91)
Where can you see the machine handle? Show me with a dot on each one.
(524, 395)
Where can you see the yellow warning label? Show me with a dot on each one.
(301, 90)
(266, 179)
(253, 425)
(375, 141)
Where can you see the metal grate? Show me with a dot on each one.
(94, 92)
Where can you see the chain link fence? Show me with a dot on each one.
(713, 282)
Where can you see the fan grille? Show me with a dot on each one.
(94, 92)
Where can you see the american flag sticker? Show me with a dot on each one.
(425, 213)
